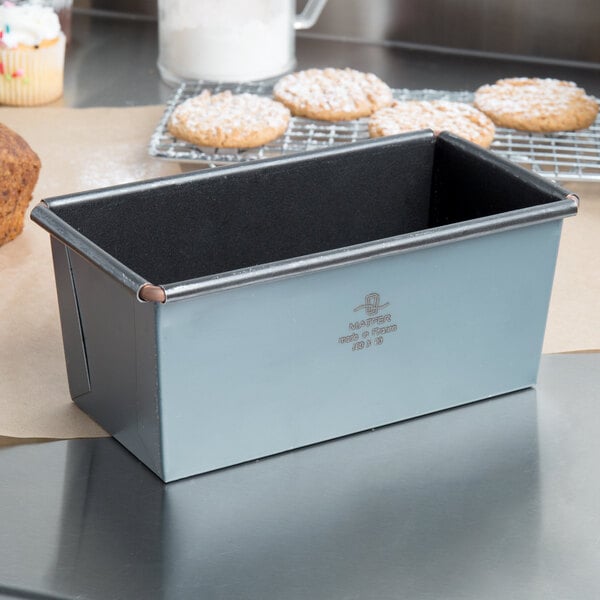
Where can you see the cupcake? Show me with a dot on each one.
(32, 55)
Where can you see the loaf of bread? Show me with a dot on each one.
(19, 171)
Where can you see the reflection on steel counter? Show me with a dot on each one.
(364, 517)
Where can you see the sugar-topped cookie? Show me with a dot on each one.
(227, 120)
(540, 105)
(440, 115)
(332, 94)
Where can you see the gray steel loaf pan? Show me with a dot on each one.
(217, 317)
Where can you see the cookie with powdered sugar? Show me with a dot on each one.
(440, 115)
(332, 94)
(227, 120)
(539, 105)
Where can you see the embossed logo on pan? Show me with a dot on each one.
(371, 330)
(372, 304)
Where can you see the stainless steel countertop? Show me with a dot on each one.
(112, 62)
(498, 499)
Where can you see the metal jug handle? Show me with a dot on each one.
(308, 17)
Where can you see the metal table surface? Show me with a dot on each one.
(497, 499)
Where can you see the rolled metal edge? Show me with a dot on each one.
(152, 293)
(43, 215)
(374, 249)
(574, 198)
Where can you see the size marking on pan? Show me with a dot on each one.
(372, 324)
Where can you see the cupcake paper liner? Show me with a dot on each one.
(29, 77)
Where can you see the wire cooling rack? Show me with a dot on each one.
(565, 156)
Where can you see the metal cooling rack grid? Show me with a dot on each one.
(564, 156)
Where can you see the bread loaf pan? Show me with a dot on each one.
(230, 314)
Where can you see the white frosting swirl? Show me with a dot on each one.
(27, 24)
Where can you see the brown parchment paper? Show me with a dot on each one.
(80, 149)
(89, 148)
(574, 313)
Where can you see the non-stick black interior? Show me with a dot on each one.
(217, 221)
(469, 183)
